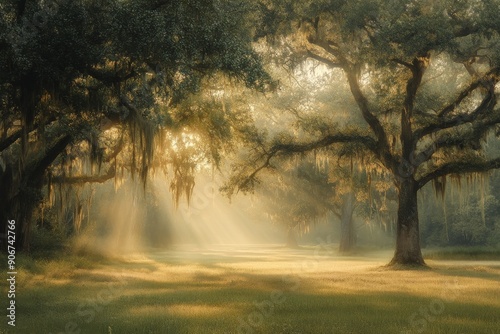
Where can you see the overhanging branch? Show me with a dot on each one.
(18, 134)
(38, 167)
(294, 148)
(462, 167)
(404, 63)
(489, 80)
(488, 103)
(85, 178)
(108, 77)
(324, 60)
(479, 130)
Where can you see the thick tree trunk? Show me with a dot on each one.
(20, 200)
(408, 250)
(347, 230)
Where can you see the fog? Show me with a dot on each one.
(132, 218)
(129, 218)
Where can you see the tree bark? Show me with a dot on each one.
(408, 250)
(20, 198)
(347, 230)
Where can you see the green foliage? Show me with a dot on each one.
(70, 71)
(481, 253)
(46, 242)
(466, 216)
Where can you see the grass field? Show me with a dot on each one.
(254, 290)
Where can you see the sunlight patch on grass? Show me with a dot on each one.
(185, 310)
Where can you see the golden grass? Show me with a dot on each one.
(212, 291)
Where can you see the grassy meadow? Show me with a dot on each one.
(254, 289)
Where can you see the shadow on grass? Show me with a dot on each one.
(478, 272)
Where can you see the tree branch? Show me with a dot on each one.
(85, 178)
(452, 106)
(486, 105)
(402, 62)
(323, 60)
(11, 139)
(382, 151)
(479, 130)
(462, 167)
(326, 47)
(18, 134)
(292, 148)
(489, 78)
(108, 77)
(366, 141)
(38, 167)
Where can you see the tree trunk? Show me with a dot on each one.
(347, 230)
(407, 232)
(20, 200)
(291, 241)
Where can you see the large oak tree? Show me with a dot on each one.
(423, 76)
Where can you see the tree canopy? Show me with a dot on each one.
(101, 83)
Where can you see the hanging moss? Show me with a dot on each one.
(482, 195)
(439, 185)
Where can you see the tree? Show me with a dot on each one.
(423, 76)
(84, 82)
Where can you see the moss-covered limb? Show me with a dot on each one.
(7, 142)
(326, 61)
(469, 138)
(366, 141)
(284, 149)
(111, 173)
(459, 167)
(36, 169)
(110, 77)
(21, 194)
